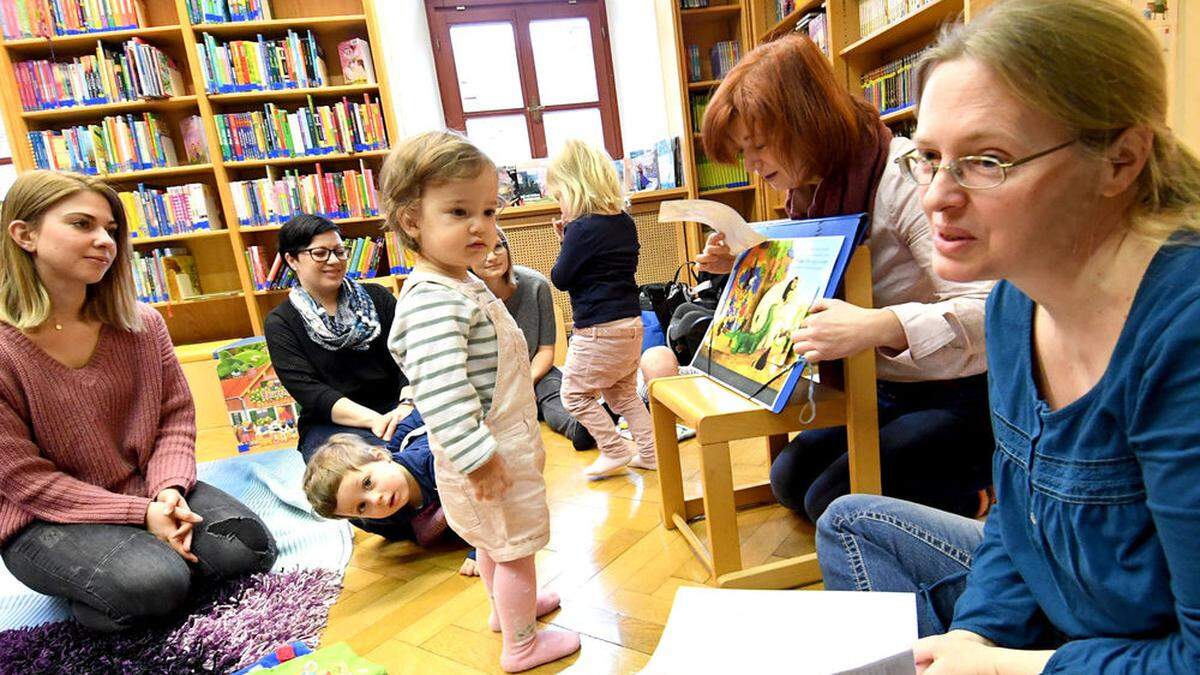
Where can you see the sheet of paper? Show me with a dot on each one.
(720, 217)
(713, 630)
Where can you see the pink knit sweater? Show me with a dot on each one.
(94, 444)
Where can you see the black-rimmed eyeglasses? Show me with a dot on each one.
(974, 172)
(321, 253)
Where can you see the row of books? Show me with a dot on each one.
(724, 55)
(178, 209)
(694, 64)
(699, 105)
(781, 9)
(655, 168)
(333, 195)
(874, 15)
(693, 4)
(892, 86)
(715, 175)
(225, 11)
(400, 259)
(139, 70)
(815, 25)
(342, 127)
(116, 143)
(43, 18)
(362, 262)
(290, 62)
(165, 274)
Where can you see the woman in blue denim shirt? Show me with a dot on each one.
(1046, 162)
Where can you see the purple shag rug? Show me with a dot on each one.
(229, 626)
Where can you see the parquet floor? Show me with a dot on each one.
(615, 566)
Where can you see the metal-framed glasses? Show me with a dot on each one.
(974, 172)
(321, 254)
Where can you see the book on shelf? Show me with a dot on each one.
(724, 55)
(875, 15)
(892, 87)
(400, 259)
(692, 4)
(357, 66)
(290, 62)
(528, 182)
(643, 170)
(331, 194)
(44, 18)
(117, 143)
(138, 70)
(226, 11)
(177, 209)
(699, 105)
(363, 255)
(667, 151)
(715, 175)
(312, 130)
(156, 281)
(815, 25)
(695, 74)
(195, 140)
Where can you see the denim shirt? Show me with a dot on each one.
(1092, 549)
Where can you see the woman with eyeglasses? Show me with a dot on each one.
(795, 125)
(1087, 208)
(328, 341)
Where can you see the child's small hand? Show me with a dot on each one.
(716, 258)
(490, 481)
(559, 228)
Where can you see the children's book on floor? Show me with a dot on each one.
(262, 413)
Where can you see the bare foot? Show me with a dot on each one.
(469, 568)
(547, 601)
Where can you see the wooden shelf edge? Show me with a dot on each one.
(199, 234)
(905, 113)
(788, 23)
(894, 34)
(207, 297)
(110, 108)
(336, 221)
(710, 12)
(235, 28)
(306, 159)
(713, 192)
(703, 84)
(61, 41)
(285, 94)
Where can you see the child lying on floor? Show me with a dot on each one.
(388, 491)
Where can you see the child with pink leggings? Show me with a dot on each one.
(469, 368)
(596, 268)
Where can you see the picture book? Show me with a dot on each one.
(770, 290)
(195, 141)
(261, 411)
(643, 167)
(182, 279)
(667, 178)
(357, 67)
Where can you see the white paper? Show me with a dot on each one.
(720, 217)
(714, 630)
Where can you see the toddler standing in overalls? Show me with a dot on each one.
(469, 367)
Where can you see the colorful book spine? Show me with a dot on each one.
(875, 15)
(226, 11)
(892, 86)
(723, 56)
(138, 71)
(346, 194)
(117, 143)
(290, 62)
(43, 18)
(715, 175)
(363, 257)
(343, 127)
(164, 275)
(178, 209)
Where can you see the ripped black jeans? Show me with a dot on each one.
(116, 575)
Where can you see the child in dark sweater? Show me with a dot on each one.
(596, 268)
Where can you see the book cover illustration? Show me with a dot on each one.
(195, 141)
(643, 165)
(261, 411)
(355, 55)
(748, 346)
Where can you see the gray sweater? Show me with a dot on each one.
(532, 308)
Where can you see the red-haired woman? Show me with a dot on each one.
(782, 108)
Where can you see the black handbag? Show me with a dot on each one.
(663, 298)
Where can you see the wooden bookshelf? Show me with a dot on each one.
(854, 54)
(704, 26)
(231, 307)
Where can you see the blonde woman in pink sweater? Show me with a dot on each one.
(99, 501)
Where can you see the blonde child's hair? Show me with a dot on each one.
(584, 180)
(24, 301)
(336, 457)
(1097, 68)
(421, 161)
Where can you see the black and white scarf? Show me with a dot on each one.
(354, 325)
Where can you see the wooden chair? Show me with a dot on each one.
(719, 416)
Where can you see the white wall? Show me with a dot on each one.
(634, 33)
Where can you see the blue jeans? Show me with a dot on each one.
(872, 543)
(935, 448)
(116, 575)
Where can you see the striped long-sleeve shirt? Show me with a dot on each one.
(446, 345)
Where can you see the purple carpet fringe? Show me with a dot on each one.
(228, 627)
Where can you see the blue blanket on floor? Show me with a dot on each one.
(268, 483)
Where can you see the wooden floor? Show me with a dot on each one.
(609, 558)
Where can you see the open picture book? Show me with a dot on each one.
(782, 268)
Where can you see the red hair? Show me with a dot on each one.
(786, 92)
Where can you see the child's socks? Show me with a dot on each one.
(547, 601)
(606, 466)
(514, 585)
(638, 462)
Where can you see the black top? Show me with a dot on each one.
(596, 267)
(317, 377)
